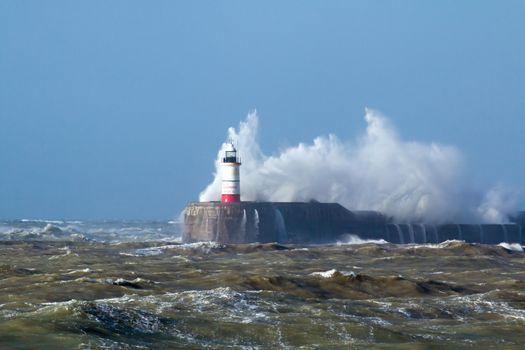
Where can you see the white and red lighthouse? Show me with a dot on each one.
(231, 185)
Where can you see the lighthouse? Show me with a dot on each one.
(231, 185)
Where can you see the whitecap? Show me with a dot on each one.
(72, 272)
(511, 246)
(205, 247)
(444, 244)
(67, 253)
(151, 251)
(332, 273)
(355, 239)
(54, 222)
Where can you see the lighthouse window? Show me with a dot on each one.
(231, 157)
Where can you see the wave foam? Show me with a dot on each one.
(511, 246)
(350, 239)
(333, 273)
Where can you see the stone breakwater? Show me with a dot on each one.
(314, 222)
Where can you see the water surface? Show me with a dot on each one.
(135, 286)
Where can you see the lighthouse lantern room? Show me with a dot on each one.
(231, 186)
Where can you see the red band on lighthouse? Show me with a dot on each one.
(228, 198)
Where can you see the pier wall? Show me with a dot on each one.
(313, 222)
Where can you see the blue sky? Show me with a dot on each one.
(116, 109)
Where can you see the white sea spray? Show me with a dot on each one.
(409, 180)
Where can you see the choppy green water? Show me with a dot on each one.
(142, 295)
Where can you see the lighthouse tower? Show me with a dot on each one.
(231, 185)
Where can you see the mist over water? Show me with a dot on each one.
(412, 181)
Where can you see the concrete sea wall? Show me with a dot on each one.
(314, 222)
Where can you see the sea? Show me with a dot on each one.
(134, 285)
